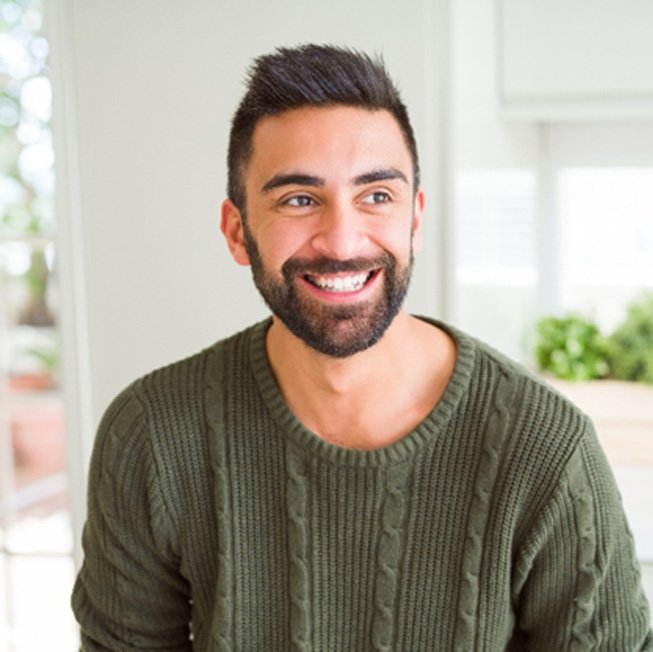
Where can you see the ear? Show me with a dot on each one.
(231, 225)
(418, 213)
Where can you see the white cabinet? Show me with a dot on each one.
(575, 59)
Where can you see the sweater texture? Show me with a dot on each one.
(217, 522)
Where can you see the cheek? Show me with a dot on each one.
(395, 237)
(281, 242)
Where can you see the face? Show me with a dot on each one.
(332, 221)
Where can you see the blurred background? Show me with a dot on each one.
(535, 125)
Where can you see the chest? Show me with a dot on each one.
(336, 557)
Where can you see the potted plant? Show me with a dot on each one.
(608, 377)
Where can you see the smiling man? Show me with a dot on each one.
(342, 285)
(344, 476)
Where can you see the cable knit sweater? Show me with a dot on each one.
(217, 522)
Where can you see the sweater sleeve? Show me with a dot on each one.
(578, 579)
(129, 594)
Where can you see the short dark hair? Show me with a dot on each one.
(310, 76)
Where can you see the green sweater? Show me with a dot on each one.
(494, 525)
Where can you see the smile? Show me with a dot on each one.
(339, 283)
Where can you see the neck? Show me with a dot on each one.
(345, 400)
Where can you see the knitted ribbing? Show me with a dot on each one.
(497, 429)
(586, 588)
(424, 434)
(222, 624)
(494, 525)
(388, 558)
(298, 581)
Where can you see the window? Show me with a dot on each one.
(496, 271)
(36, 542)
(606, 239)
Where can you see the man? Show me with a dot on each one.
(344, 476)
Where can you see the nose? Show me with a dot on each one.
(340, 232)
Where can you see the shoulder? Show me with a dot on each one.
(159, 426)
(490, 381)
(544, 444)
(168, 403)
(532, 428)
(540, 412)
(182, 384)
(529, 399)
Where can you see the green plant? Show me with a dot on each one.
(570, 347)
(26, 206)
(48, 357)
(630, 347)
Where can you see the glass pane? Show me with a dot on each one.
(606, 229)
(496, 256)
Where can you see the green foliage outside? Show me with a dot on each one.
(573, 348)
(26, 176)
(630, 347)
(27, 221)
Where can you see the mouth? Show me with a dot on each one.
(342, 282)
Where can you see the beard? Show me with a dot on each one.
(334, 330)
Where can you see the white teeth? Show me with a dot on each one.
(340, 283)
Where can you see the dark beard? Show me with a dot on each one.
(338, 331)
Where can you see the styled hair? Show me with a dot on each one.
(310, 76)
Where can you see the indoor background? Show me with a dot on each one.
(534, 121)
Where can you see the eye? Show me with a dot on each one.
(299, 201)
(377, 197)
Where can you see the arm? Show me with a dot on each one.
(577, 580)
(129, 594)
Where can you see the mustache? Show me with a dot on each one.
(325, 265)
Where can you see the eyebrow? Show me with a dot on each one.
(279, 180)
(298, 179)
(382, 174)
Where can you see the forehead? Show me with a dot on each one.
(332, 142)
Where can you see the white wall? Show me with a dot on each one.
(151, 86)
(576, 59)
(483, 141)
(483, 138)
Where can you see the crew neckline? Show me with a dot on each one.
(425, 432)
